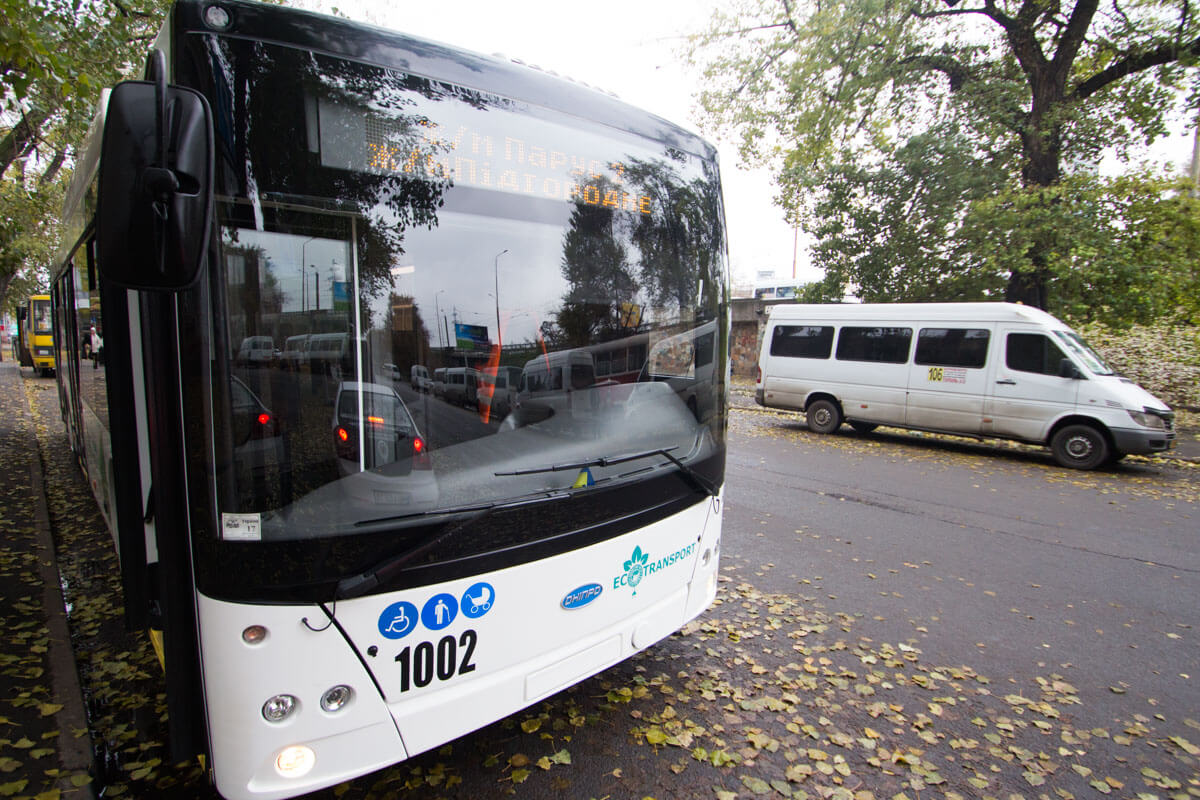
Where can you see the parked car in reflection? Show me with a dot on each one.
(461, 386)
(379, 448)
(419, 378)
(257, 439)
(256, 351)
(497, 390)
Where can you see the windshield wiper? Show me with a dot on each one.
(693, 477)
(364, 582)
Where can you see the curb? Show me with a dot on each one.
(74, 752)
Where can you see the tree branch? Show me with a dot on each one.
(1134, 63)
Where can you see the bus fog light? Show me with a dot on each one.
(335, 699)
(254, 634)
(278, 708)
(295, 761)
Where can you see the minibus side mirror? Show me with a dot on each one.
(155, 187)
(1068, 370)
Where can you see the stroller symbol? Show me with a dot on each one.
(477, 600)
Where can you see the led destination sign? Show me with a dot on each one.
(467, 156)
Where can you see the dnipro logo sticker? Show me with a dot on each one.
(578, 598)
(639, 567)
(402, 617)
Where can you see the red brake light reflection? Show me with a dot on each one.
(418, 444)
(343, 434)
(375, 420)
(264, 419)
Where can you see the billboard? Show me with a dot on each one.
(471, 337)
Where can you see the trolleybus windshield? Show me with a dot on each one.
(371, 222)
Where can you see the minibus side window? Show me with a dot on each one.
(802, 341)
(884, 345)
(1032, 352)
(952, 347)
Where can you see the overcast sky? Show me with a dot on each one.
(630, 47)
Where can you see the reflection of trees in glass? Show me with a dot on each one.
(254, 290)
(266, 101)
(596, 266)
(682, 243)
(680, 248)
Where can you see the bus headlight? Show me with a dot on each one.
(295, 761)
(278, 708)
(335, 699)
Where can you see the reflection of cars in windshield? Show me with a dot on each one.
(294, 354)
(551, 384)
(420, 378)
(256, 351)
(460, 386)
(375, 415)
(685, 363)
(256, 436)
(497, 390)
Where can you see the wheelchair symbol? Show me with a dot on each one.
(398, 620)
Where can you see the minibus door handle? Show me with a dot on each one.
(1006, 382)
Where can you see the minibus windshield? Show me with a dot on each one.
(1084, 352)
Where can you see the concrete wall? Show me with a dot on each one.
(747, 317)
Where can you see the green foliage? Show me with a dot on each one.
(1163, 357)
(936, 121)
(55, 56)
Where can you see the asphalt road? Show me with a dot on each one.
(898, 615)
(981, 554)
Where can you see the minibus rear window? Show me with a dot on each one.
(881, 345)
(802, 341)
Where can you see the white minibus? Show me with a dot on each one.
(978, 369)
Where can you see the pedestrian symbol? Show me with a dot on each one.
(439, 611)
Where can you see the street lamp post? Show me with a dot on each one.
(496, 273)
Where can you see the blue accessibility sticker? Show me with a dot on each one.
(398, 620)
(439, 611)
(477, 600)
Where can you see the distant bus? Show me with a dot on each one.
(35, 337)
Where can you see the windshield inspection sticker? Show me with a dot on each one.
(241, 527)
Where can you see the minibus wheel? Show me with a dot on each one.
(823, 416)
(1079, 447)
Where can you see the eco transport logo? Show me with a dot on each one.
(639, 567)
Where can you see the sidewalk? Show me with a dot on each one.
(45, 750)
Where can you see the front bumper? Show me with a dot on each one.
(1142, 441)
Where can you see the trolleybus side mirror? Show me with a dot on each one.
(155, 189)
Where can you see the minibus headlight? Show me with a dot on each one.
(1147, 419)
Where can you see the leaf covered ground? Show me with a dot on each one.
(766, 695)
